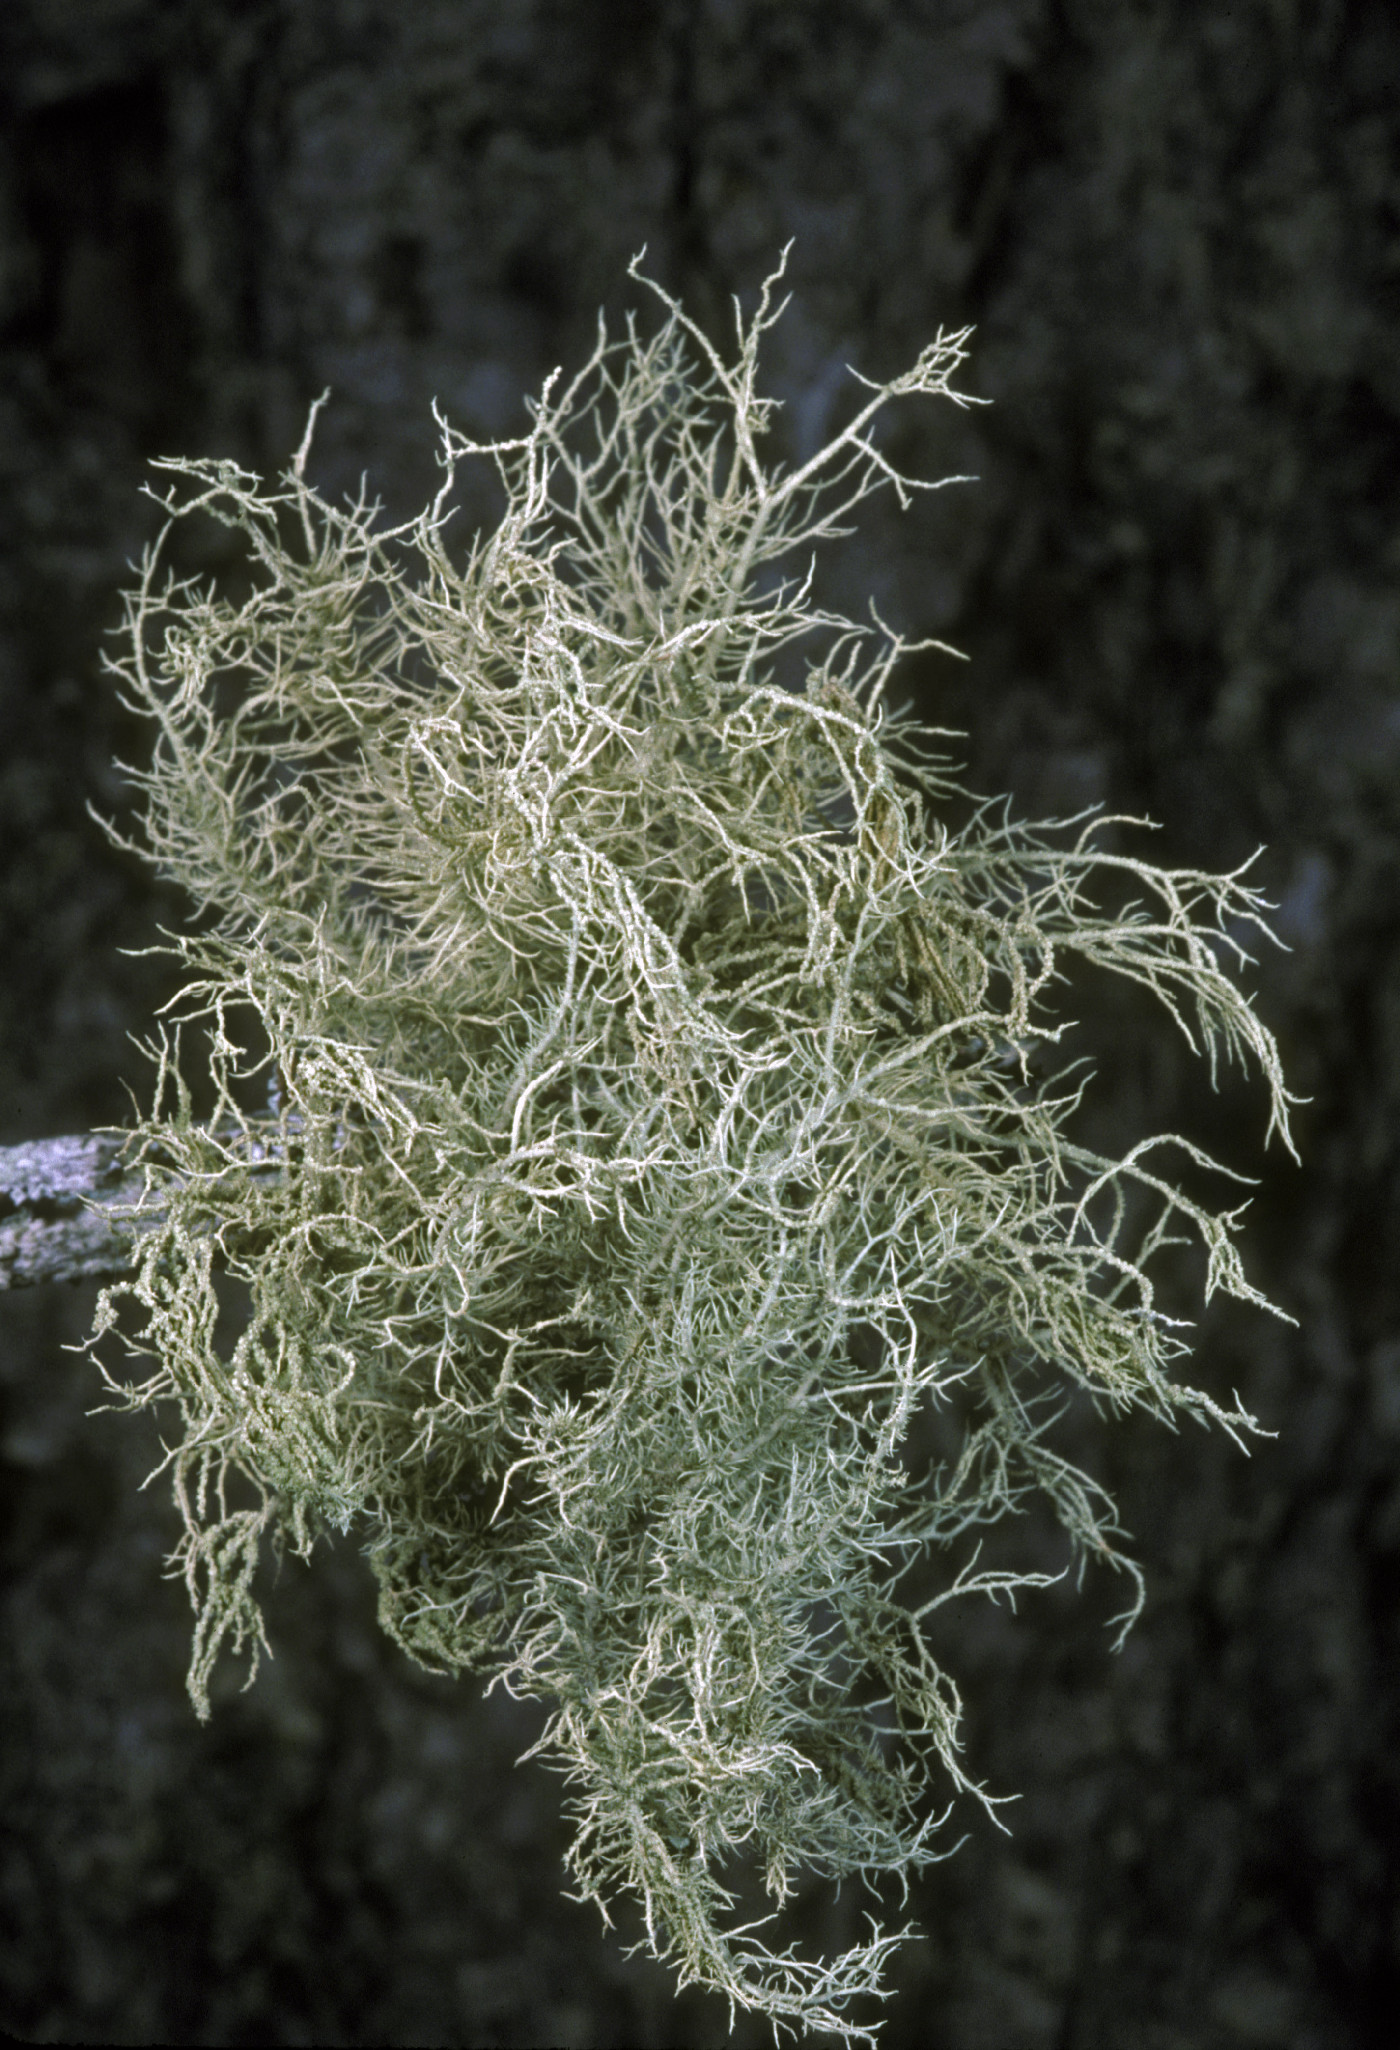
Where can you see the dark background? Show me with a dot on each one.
(1177, 229)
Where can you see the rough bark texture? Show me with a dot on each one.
(56, 1196)
(1178, 230)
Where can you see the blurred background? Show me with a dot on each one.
(1177, 232)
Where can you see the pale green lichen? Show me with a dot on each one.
(649, 1135)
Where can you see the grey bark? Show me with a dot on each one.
(59, 1200)
(64, 1205)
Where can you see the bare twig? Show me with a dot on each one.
(57, 1199)
(64, 1202)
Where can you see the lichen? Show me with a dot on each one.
(648, 1134)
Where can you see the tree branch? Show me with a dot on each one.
(56, 1200)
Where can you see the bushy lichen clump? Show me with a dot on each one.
(648, 1130)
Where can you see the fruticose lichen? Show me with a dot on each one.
(645, 1135)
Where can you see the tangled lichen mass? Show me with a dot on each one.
(646, 1074)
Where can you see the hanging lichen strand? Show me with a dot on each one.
(648, 1130)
